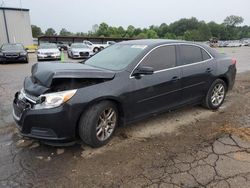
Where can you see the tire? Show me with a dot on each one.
(101, 48)
(91, 124)
(95, 50)
(212, 100)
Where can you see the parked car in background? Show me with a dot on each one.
(79, 50)
(48, 51)
(234, 44)
(126, 82)
(62, 46)
(98, 47)
(13, 52)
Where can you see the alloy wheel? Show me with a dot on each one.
(106, 124)
(218, 94)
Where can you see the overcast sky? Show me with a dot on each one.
(81, 15)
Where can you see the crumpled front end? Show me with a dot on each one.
(45, 108)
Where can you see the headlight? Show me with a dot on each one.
(23, 53)
(1, 54)
(53, 100)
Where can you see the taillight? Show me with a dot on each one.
(234, 61)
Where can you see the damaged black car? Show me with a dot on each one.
(128, 81)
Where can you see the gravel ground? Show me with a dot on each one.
(191, 147)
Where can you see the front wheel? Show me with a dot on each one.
(215, 95)
(98, 123)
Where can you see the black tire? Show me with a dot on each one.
(208, 99)
(95, 50)
(101, 48)
(89, 121)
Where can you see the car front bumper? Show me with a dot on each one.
(13, 59)
(48, 57)
(54, 125)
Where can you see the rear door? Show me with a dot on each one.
(198, 67)
(162, 90)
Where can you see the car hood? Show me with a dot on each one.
(46, 73)
(48, 50)
(12, 51)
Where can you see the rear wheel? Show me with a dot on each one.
(98, 123)
(215, 95)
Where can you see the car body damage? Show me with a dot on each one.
(52, 77)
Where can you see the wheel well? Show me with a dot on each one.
(119, 108)
(225, 80)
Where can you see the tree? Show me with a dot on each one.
(36, 31)
(103, 30)
(151, 34)
(50, 32)
(181, 26)
(204, 32)
(233, 20)
(65, 32)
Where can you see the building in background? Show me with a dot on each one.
(15, 26)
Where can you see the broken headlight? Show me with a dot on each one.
(52, 100)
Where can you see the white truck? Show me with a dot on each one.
(98, 47)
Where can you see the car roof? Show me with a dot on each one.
(152, 42)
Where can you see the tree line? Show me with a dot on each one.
(184, 29)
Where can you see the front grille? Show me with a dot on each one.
(48, 53)
(84, 54)
(11, 55)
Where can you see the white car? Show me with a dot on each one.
(79, 50)
(98, 47)
(48, 51)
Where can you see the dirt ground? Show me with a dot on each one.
(191, 147)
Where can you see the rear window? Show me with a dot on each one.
(205, 55)
(190, 54)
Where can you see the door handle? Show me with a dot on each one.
(208, 70)
(175, 78)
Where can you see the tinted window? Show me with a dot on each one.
(190, 54)
(205, 55)
(161, 58)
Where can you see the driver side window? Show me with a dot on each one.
(161, 58)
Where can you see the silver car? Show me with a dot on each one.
(79, 50)
(48, 51)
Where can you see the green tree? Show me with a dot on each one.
(50, 32)
(181, 26)
(204, 32)
(103, 30)
(233, 20)
(65, 32)
(36, 31)
(170, 36)
(151, 34)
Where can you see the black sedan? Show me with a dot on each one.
(13, 52)
(126, 82)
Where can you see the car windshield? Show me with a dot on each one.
(47, 46)
(116, 57)
(80, 45)
(12, 47)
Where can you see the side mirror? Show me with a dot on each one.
(143, 70)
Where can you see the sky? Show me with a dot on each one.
(81, 15)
